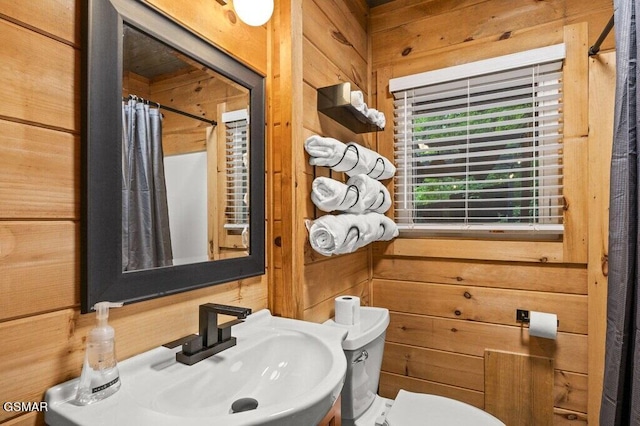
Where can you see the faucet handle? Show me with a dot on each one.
(193, 345)
(224, 330)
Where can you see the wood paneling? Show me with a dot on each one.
(602, 77)
(220, 25)
(424, 280)
(325, 309)
(391, 383)
(575, 150)
(449, 368)
(516, 251)
(568, 418)
(569, 351)
(41, 328)
(319, 46)
(39, 172)
(286, 288)
(39, 266)
(522, 276)
(338, 39)
(518, 388)
(56, 18)
(570, 391)
(327, 279)
(40, 79)
(451, 24)
(480, 304)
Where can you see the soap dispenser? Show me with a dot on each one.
(100, 377)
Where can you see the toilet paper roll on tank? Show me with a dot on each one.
(347, 310)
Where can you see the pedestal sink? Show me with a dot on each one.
(281, 372)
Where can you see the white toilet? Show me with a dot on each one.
(361, 406)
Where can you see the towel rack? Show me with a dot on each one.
(335, 102)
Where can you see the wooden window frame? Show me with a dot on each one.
(572, 248)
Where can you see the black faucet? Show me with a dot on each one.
(213, 337)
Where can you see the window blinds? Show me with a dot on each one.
(237, 175)
(482, 151)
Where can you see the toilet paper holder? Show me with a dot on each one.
(522, 315)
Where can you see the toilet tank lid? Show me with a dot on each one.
(373, 322)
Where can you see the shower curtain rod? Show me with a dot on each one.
(593, 50)
(177, 111)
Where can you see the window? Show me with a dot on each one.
(236, 166)
(479, 146)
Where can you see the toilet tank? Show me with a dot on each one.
(363, 348)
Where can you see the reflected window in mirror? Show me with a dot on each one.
(173, 159)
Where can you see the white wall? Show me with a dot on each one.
(186, 177)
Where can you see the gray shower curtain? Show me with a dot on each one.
(146, 240)
(621, 393)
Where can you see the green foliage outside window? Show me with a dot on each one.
(434, 192)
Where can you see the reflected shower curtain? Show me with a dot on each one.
(146, 241)
(621, 393)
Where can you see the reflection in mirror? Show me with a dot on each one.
(204, 222)
(185, 158)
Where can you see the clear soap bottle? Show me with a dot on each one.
(100, 377)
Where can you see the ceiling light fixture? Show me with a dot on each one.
(254, 12)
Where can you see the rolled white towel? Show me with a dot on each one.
(347, 232)
(329, 195)
(387, 229)
(359, 195)
(373, 115)
(373, 196)
(353, 159)
(325, 151)
(357, 101)
(383, 120)
(376, 117)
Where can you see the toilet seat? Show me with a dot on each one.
(419, 409)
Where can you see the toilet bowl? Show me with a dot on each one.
(361, 406)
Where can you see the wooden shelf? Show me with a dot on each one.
(335, 102)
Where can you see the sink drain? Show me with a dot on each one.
(244, 404)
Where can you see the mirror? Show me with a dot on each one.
(173, 160)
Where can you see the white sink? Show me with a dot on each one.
(293, 369)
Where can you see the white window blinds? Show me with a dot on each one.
(481, 149)
(237, 175)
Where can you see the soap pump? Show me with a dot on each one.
(100, 377)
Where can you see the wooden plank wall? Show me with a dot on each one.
(450, 300)
(335, 49)
(519, 388)
(323, 46)
(41, 330)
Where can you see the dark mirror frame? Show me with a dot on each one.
(102, 278)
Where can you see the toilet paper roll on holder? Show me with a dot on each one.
(522, 315)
